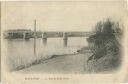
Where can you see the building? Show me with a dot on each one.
(18, 33)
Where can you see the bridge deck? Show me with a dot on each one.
(50, 34)
(69, 34)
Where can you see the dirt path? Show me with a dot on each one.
(60, 64)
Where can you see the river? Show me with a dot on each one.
(21, 52)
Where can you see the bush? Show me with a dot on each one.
(106, 38)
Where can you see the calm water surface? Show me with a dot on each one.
(22, 51)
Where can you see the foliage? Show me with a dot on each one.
(106, 39)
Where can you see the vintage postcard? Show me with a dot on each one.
(64, 42)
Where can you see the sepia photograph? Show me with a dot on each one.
(63, 38)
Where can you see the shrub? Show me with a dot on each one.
(106, 38)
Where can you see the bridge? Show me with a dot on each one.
(27, 34)
(64, 35)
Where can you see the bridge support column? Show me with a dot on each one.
(65, 38)
(24, 35)
(44, 38)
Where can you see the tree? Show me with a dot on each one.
(106, 38)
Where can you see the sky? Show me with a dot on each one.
(59, 16)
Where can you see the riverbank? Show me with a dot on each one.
(72, 64)
(63, 64)
(58, 59)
